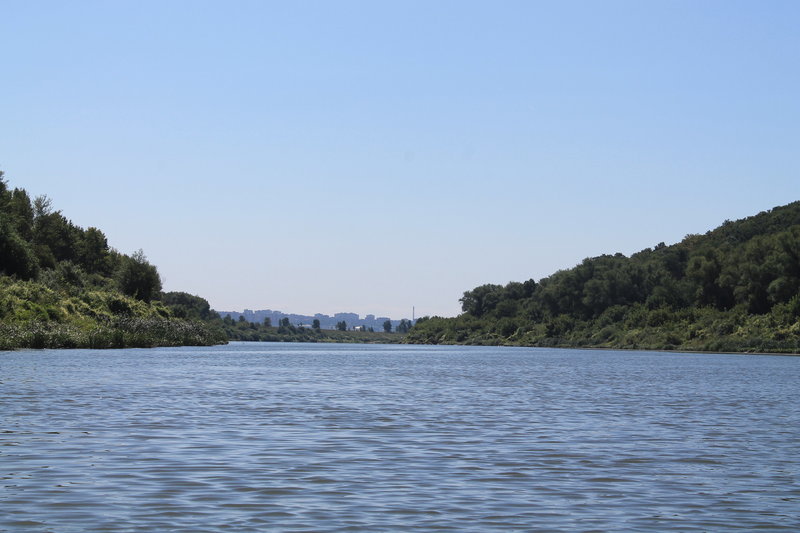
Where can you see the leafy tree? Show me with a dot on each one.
(284, 322)
(267, 322)
(387, 326)
(93, 252)
(21, 213)
(404, 326)
(315, 324)
(3, 190)
(54, 237)
(42, 206)
(185, 305)
(138, 278)
(481, 299)
(341, 326)
(17, 257)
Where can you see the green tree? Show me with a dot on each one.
(315, 324)
(481, 300)
(267, 322)
(185, 305)
(54, 237)
(341, 326)
(3, 190)
(21, 211)
(17, 257)
(387, 326)
(136, 277)
(93, 252)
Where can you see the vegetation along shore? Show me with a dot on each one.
(62, 286)
(733, 289)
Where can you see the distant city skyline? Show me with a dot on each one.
(374, 156)
(326, 321)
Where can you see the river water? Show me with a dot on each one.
(322, 437)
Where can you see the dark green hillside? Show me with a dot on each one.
(736, 288)
(63, 286)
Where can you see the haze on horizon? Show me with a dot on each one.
(367, 157)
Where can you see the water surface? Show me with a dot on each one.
(321, 437)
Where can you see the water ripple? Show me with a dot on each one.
(269, 437)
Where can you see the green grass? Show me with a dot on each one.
(33, 315)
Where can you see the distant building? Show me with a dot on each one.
(325, 321)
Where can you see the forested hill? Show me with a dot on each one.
(736, 288)
(63, 286)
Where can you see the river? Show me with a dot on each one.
(327, 437)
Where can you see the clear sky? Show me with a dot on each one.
(373, 156)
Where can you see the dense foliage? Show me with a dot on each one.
(63, 286)
(736, 288)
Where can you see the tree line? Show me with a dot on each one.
(38, 242)
(734, 288)
(64, 286)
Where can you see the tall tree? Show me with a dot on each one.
(21, 211)
(93, 252)
(138, 278)
(16, 254)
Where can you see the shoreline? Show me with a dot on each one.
(605, 348)
(83, 346)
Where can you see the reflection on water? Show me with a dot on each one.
(254, 437)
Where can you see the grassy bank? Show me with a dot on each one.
(63, 286)
(34, 315)
(119, 333)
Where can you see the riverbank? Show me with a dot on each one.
(792, 349)
(637, 328)
(119, 333)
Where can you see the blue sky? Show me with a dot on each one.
(374, 156)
